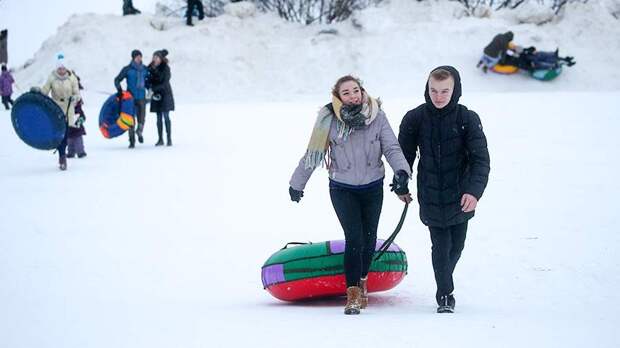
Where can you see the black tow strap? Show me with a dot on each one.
(388, 242)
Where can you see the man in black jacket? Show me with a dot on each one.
(453, 171)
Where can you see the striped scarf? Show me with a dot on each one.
(318, 147)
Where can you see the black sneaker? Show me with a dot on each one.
(132, 145)
(451, 301)
(444, 305)
(140, 138)
(82, 155)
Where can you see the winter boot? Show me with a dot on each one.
(62, 162)
(139, 132)
(81, 154)
(168, 133)
(364, 286)
(353, 305)
(160, 132)
(444, 304)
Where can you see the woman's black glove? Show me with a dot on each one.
(400, 182)
(295, 195)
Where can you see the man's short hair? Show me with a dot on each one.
(441, 74)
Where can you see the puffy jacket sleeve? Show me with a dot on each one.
(478, 156)
(301, 175)
(391, 148)
(47, 87)
(120, 77)
(75, 90)
(164, 80)
(408, 136)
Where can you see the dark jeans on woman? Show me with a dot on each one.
(6, 100)
(358, 211)
(448, 243)
(163, 117)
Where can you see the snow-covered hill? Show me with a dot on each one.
(392, 47)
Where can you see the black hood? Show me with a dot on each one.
(456, 94)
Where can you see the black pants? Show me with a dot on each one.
(6, 100)
(62, 148)
(448, 243)
(358, 212)
(194, 4)
(164, 117)
(140, 116)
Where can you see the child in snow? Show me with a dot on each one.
(75, 141)
(65, 91)
(6, 87)
(495, 50)
(162, 101)
(453, 171)
(355, 133)
(135, 74)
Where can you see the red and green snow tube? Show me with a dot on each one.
(316, 270)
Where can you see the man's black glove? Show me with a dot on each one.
(119, 93)
(400, 182)
(35, 89)
(295, 195)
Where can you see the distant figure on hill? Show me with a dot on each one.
(128, 8)
(194, 5)
(495, 50)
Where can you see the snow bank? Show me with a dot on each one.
(392, 47)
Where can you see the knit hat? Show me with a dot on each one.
(135, 53)
(161, 53)
(60, 61)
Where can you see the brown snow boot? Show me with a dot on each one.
(353, 305)
(364, 296)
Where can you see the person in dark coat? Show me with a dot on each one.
(128, 8)
(162, 101)
(453, 171)
(495, 50)
(135, 75)
(6, 87)
(194, 5)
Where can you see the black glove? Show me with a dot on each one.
(400, 182)
(35, 89)
(156, 97)
(119, 93)
(295, 195)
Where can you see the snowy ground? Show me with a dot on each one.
(162, 247)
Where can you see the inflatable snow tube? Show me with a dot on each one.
(505, 69)
(117, 116)
(39, 121)
(316, 270)
(546, 74)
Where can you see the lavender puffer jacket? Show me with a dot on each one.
(357, 161)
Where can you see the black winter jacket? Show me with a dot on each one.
(454, 159)
(159, 82)
(499, 44)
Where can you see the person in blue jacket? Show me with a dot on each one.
(135, 75)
